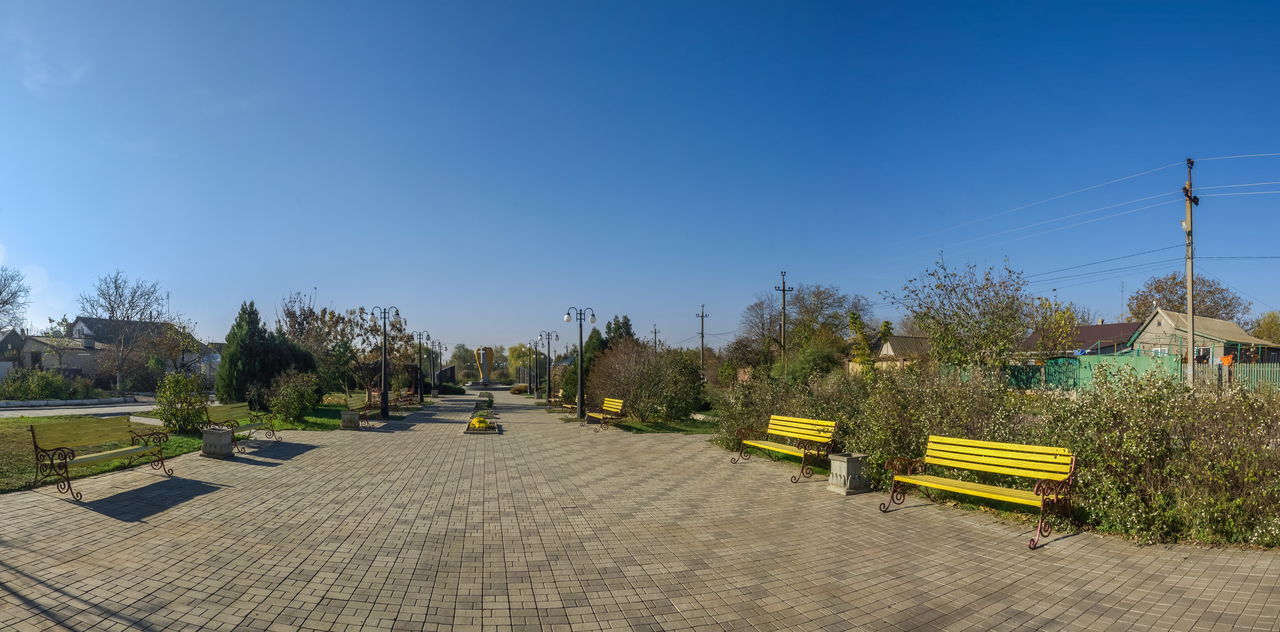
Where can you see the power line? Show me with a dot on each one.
(1238, 156)
(1239, 193)
(1052, 198)
(1250, 257)
(1234, 186)
(1136, 254)
(1088, 221)
(1219, 280)
(1064, 217)
(1081, 275)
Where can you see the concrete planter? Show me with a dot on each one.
(217, 443)
(848, 474)
(350, 420)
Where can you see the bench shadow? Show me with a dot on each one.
(278, 450)
(136, 505)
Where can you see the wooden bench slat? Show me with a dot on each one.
(990, 460)
(1016, 447)
(824, 435)
(815, 422)
(776, 447)
(70, 434)
(113, 454)
(799, 435)
(1053, 476)
(974, 489)
(1004, 454)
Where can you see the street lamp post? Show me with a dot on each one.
(568, 318)
(546, 335)
(437, 363)
(383, 312)
(422, 336)
(533, 367)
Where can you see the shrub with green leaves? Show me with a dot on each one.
(180, 402)
(36, 384)
(1155, 460)
(293, 395)
(652, 385)
(519, 389)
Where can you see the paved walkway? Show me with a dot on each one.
(551, 526)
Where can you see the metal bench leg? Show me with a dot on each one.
(53, 464)
(805, 470)
(159, 463)
(743, 455)
(896, 496)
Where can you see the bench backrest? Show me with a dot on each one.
(73, 434)
(612, 405)
(800, 428)
(1030, 461)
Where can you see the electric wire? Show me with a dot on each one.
(1052, 198)
(1239, 193)
(1091, 263)
(1081, 275)
(1088, 221)
(1063, 217)
(1238, 156)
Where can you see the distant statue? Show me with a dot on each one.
(484, 363)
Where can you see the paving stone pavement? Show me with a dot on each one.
(414, 526)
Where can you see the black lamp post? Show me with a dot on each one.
(422, 336)
(545, 335)
(437, 363)
(568, 318)
(533, 367)
(383, 313)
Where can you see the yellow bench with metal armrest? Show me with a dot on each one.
(808, 439)
(1053, 469)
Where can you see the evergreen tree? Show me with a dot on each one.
(242, 355)
(617, 329)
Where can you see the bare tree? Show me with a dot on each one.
(14, 292)
(132, 306)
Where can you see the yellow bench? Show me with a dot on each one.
(610, 411)
(1053, 468)
(809, 438)
(55, 447)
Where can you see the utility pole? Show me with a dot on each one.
(655, 338)
(702, 339)
(1192, 202)
(784, 289)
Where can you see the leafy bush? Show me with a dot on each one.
(1154, 459)
(293, 395)
(653, 385)
(519, 389)
(452, 389)
(35, 384)
(180, 402)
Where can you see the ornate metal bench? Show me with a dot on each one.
(55, 446)
(606, 414)
(1053, 468)
(256, 422)
(809, 439)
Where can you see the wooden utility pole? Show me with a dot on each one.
(783, 332)
(1192, 202)
(702, 339)
(655, 338)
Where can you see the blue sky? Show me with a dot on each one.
(483, 165)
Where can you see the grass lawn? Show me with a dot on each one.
(18, 462)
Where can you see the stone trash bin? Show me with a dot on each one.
(848, 474)
(217, 443)
(350, 420)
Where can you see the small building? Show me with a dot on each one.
(77, 357)
(1099, 339)
(1165, 333)
(895, 352)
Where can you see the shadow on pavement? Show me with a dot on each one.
(137, 504)
(280, 450)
